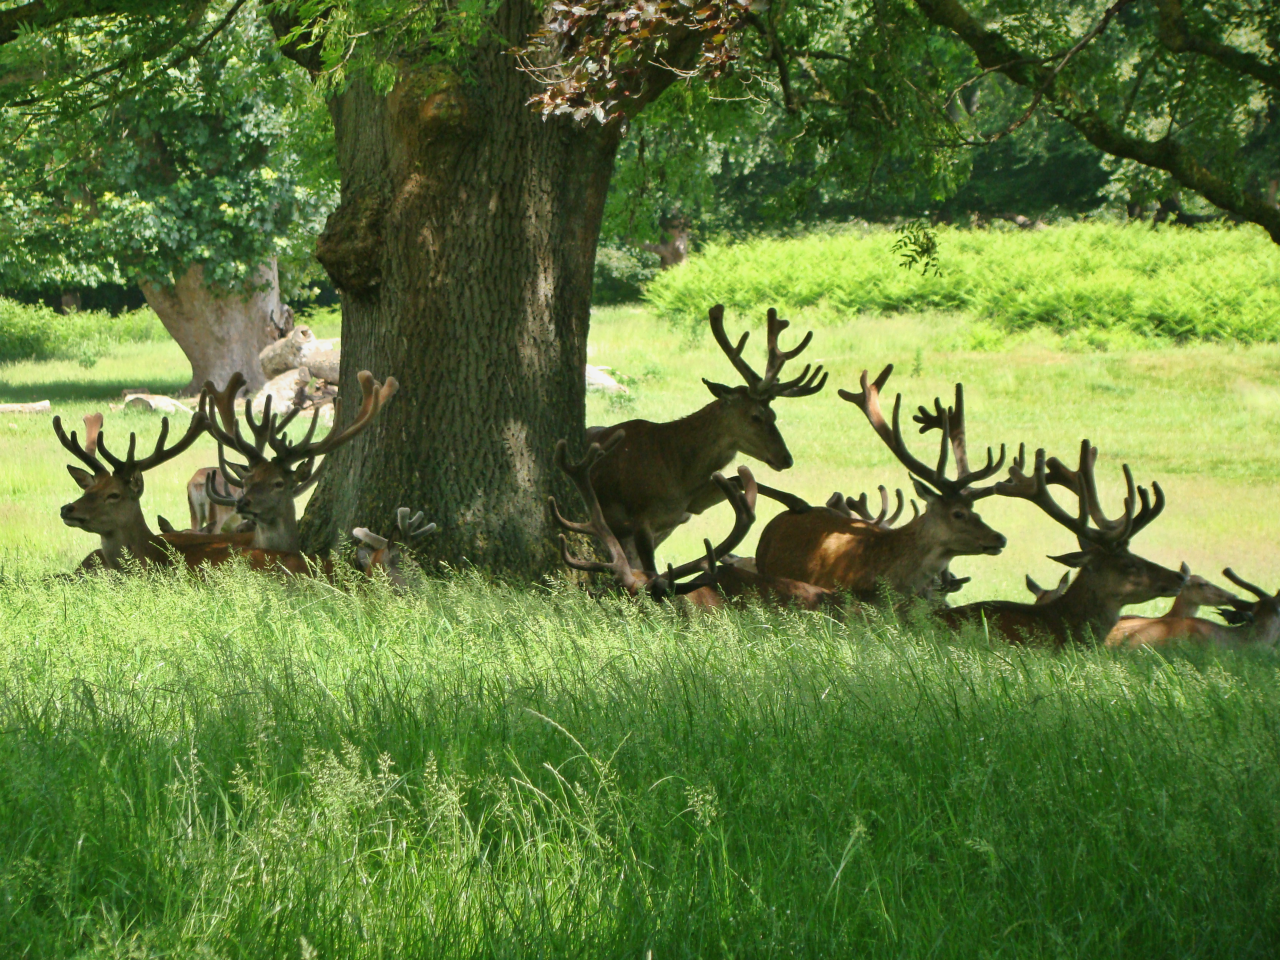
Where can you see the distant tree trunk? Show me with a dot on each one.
(219, 331)
(464, 248)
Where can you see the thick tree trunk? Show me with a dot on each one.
(464, 247)
(220, 332)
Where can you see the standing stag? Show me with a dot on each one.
(269, 485)
(713, 583)
(831, 548)
(1109, 577)
(655, 475)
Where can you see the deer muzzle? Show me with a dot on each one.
(69, 517)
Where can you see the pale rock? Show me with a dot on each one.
(285, 390)
(597, 379)
(155, 403)
(301, 349)
(40, 406)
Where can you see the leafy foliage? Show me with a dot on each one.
(38, 333)
(1175, 283)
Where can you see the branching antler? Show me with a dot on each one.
(742, 497)
(768, 387)
(882, 519)
(160, 454)
(87, 453)
(580, 473)
(868, 401)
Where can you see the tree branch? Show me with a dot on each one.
(993, 49)
(1178, 38)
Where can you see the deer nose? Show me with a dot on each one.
(67, 510)
(1001, 540)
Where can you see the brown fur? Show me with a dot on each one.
(826, 549)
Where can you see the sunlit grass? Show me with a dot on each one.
(240, 768)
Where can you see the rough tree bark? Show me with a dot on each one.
(219, 332)
(464, 246)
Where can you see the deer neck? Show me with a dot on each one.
(280, 533)
(712, 447)
(915, 556)
(1084, 606)
(131, 538)
(1182, 607)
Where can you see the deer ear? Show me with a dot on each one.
(925, 492)
(82, 477)
(135, 483)
(719, 390)
(303, 471)
(1076, 560)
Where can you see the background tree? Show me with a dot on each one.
(189, 182)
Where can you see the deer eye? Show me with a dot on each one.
(112, 497)
(957, 514)
(279, 485)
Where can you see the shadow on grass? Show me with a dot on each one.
(72, 391)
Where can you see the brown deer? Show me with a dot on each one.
(388, 553)
(110, 504)
(714, 583)
(269, 486)
(660, 473)
(830, 548)
(1109, 575)
(1181, 620)
(210, 507)
(1044, 595)
(1252, 622)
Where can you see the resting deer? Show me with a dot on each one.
(1109, 577)
(1044, 595)
(388, 553)
(1253, 622)
(831, 548)
(110, 504)
(659, 474)
(713, 582)
(269, 486)
(1181, 620)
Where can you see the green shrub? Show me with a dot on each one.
(1211, 284)
(40, 333)
(621, 273)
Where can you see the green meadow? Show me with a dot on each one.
(233, 767)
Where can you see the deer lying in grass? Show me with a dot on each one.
(269, 485)
(833, 549)
(1181, 620)
(110, 504)
(713, 583)
(658, 474)
(388, 553)
(1109, 577)
(1252, 622)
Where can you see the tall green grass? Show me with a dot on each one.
(1171, 283)
(245, 769)
(40, 333)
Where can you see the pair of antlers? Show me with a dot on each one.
(408, 529)
(95, 444)
(949, 420)
(768, 387)
(268, 431)
(741, 497)
(1106, 531)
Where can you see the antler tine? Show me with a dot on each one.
(801, 386)
(868, 401)
(231, 471)
(580, 474)
(227, 433)
(261, 430)
(215, 496)
(708, 565)
(841, 504)
(716, 316)
(374, 395)
(160, 454)
(411, 527)
(744, 515)
(118, 465)
(280, 444)
(369, 538)
(1035, 488)
(72, 444)
(952, 419)
(898, 510)
(1246, 585)
(1149, 510)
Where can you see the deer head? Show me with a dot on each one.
(387, 554)
(1047, 595)
(110, 504)
(270, 484)
(949, 521)
(1109, 572)
(1261, 618)
(752, 420)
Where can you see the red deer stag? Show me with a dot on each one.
(1109, 577)
(211, 507)
(658, 474)
(388, 554)
(714, 583)
(270, 485)
(110, 504)
(831, 548)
